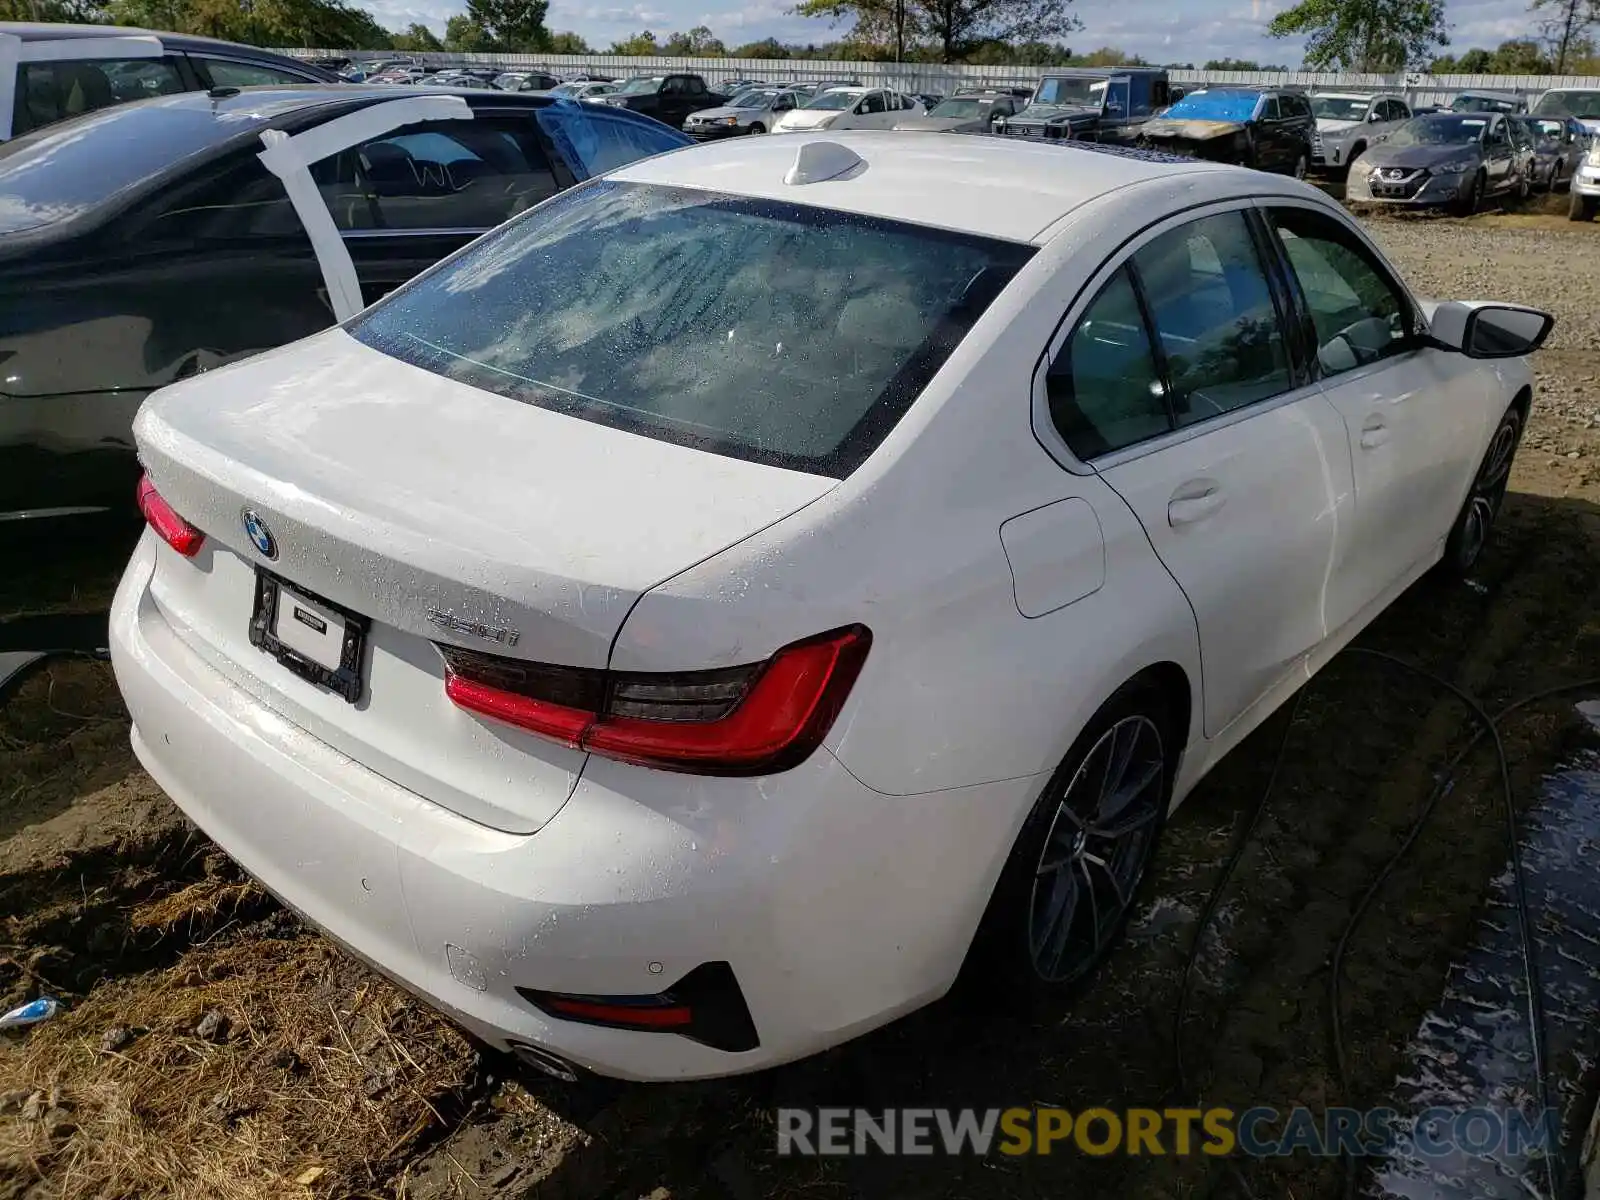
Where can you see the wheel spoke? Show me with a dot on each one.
(1095, 860)
(1124, 740)
(1132, 786)
(1094, 905)
(1121, 829)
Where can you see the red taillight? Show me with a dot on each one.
(174, 530)
(738, 721)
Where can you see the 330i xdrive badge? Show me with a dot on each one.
(851, 650)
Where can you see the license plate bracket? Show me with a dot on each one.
(325, 645)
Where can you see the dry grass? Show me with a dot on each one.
(326, 1075)
(201, 902)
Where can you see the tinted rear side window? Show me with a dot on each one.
(777, 333)
(594, 141)
(63, 171)
(48, 92)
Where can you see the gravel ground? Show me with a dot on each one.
(109, 901)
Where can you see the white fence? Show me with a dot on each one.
(940, 79)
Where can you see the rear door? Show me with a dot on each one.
(1498, 154)
(58, 80)
(1179, 387)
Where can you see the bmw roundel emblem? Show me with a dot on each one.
(259, 533)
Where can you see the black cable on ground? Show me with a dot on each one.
(1487, 725)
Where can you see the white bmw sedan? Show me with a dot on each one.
(664, 682)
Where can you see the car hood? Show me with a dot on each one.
(1190, 129)
(726, 110)
(1329, 125)
(1054, 112)
(941, 124)
(1386, 154)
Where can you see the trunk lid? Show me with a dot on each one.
(442, 513)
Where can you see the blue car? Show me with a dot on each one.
(144, 242)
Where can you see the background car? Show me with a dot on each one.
(669, 98)
(1488, 102)
(972, 112)
(756, 110)
(655, 668)
(1266, 128)
(1559, 144)
(1582, 103)
(1096, 104)
(1458, 159)
(1348, 122)
(60, 71)
(850, 108)
(146, 243)
(532, 81)
(1584, 189)
(586, 90)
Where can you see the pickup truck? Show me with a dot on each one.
(668, 98)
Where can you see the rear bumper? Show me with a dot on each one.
(838, 908)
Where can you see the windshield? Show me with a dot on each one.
(752, 99)
(642, 86)
(1338, 108)
(1583, 105)
(568, 89)
(834, 101)
(1550, 129)
(694, 318)
(1439, 131)
(965, 110)
(63, 171)
(1215, 105)
(1490, 104)
(1068, 90)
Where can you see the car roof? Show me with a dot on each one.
(991, 186)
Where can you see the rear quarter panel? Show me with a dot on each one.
(959, 688)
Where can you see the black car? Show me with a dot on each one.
(1265, 128)
(143, 243)
(61, 71)
(668, 98)
(1091, 104)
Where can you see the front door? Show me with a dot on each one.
(1412, 424)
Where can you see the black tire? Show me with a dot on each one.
(758, 127)
(1474, 197)
(1579, 206)
(1014, 937)
(1302, 164)
(1524, 187)
(1474, 523)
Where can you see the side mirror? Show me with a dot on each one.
(1374, 116)
(1484, 330)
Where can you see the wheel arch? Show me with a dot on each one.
(1523, 402)
(1172, 682)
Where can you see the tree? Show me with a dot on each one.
(327, 24)
(1107, 56)
(699, 42)
(954, 27)
(640, 45)
(765, 48)
(516, 25)
(463, 35)
(1364, 35)
(1521, 56)
(568, 43)
(1232, 64)
(416, 36)
(1565, 28)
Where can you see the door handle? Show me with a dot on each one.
(1374, 433)
(1188, 505)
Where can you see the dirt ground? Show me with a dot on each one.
(210, 1046)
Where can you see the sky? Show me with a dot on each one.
(1158, 30)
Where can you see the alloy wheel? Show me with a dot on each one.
(1096, 850)
(1488, 490)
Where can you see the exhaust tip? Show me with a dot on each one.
(542, 1060)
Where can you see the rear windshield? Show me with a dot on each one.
(777, 333)
(66, 169)
(1583, 105)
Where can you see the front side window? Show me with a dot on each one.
(48, 92)
(1359, 314)
(236, 74)
(1104, 389)
(777, 333)
(437, 175)
(873, 103)
(1269, 110)
(1214, 318)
